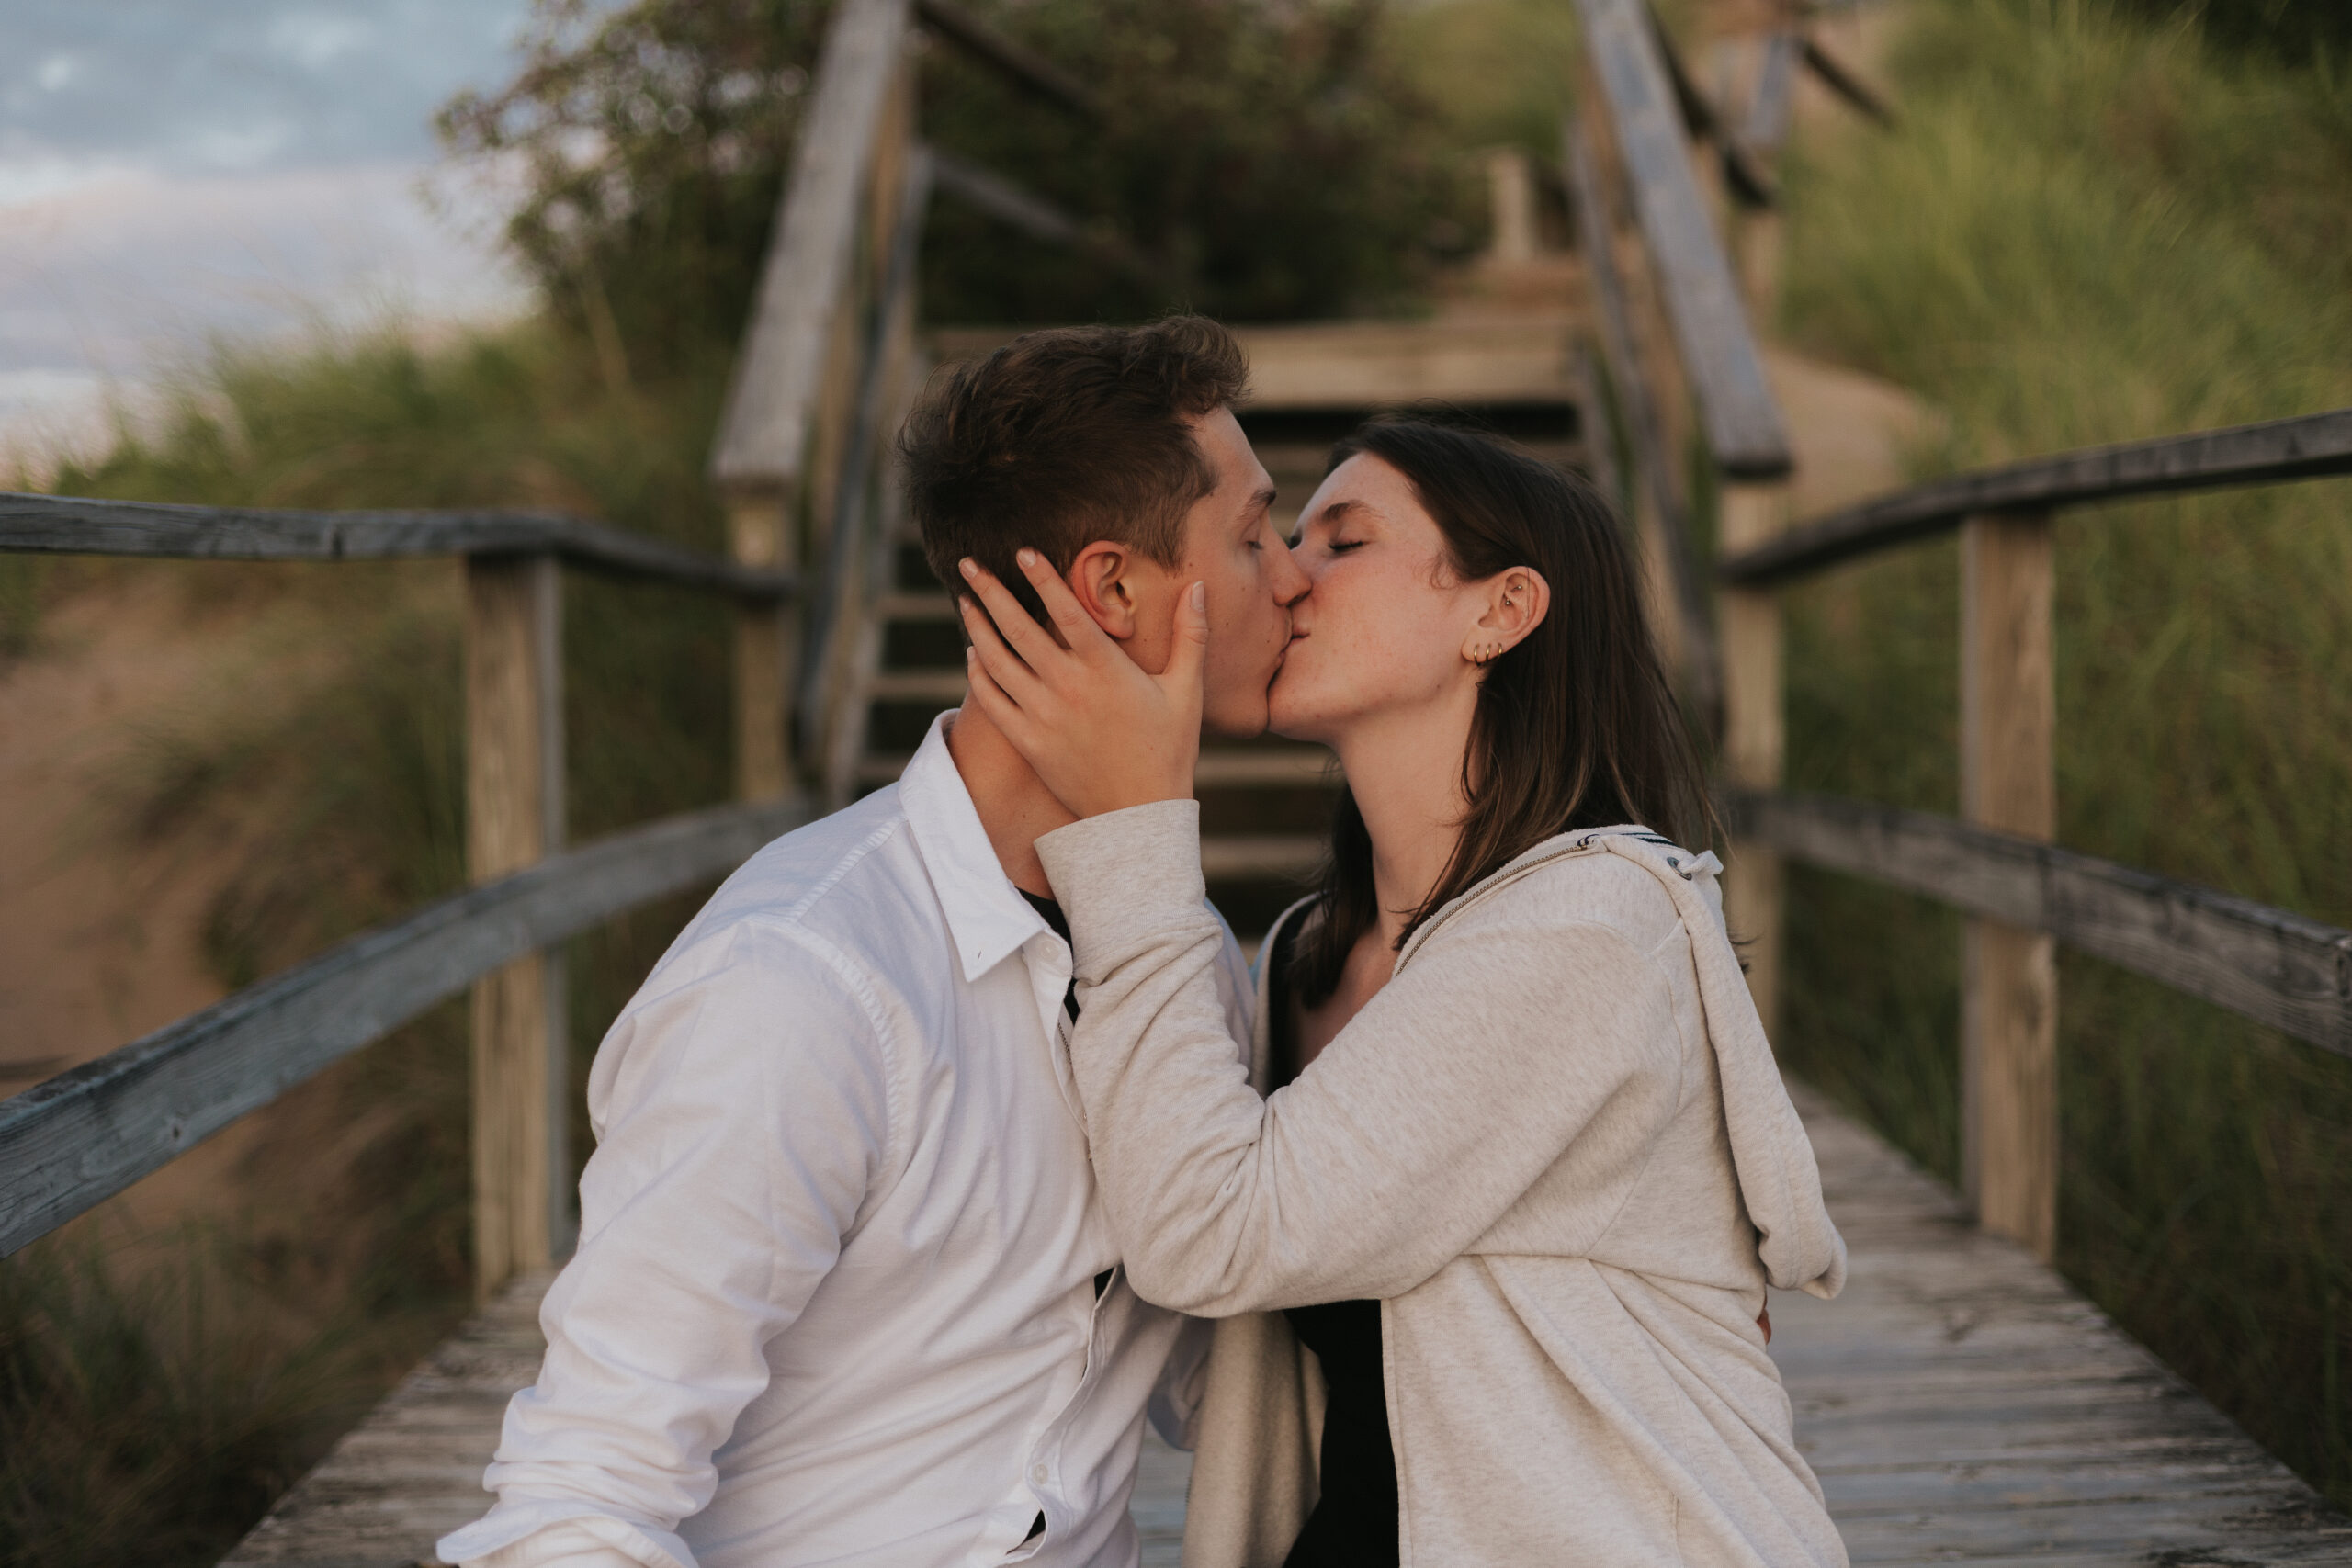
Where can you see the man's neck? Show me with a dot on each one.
(1016, 808)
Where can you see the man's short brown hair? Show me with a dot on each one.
(1066, 437)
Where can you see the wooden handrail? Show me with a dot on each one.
(763, 434)
(66, 524)
(2272, 965)
(1737, 411)
(86, 1135)
(863, 452)
(1008, 203)
(2308, 447)
(1016, 61)
(1612, 326)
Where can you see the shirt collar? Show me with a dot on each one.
(986, 914)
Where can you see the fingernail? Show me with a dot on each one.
(1028, 557)
(1200, 596)
(969, 570)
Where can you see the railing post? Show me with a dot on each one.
(767, 644)
(2009, 781)
(514, 817)
(1755, 737)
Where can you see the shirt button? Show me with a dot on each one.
(1037, 1474)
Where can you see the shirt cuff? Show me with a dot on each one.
(544, 1533)
(1122, 876)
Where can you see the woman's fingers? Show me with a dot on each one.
(1013, 623)
(1005, 669)
(1079, 632)
(1002, 710)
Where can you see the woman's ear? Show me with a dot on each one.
(1102, 579)
(1517, 600)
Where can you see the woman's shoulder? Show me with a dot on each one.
(1573, 879)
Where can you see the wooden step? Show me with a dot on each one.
(911, 606)
(1288, 767)
(1270, 857)
(942, 686)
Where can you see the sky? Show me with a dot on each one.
(172, 170)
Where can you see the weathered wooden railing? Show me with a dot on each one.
(1674, 337)
(1998, 864)
(79, 1138)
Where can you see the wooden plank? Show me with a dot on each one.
(1326, 367)
(64, 524)
(1016, 61)
(2008, 782)
(767, 638)
(514, 785)
(2277, 968)
(412, 1471)
(1665, 520)
(803, 287)
(1742, 423)
(1754, 743)
(2307, 446)
(86, 1135)
(1959, 1403)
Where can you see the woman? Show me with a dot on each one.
(1527, 1165)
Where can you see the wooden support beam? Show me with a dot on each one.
(513, 819)
(767, 644)
(1017, 207)
(1841, 81)
(1755, 746)
(1016, 61)
(2008, 782)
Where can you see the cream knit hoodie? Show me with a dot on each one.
(1555, 1147)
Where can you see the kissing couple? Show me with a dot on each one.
(953, 1139)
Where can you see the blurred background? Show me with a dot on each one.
(424, 253)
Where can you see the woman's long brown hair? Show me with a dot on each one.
(1576, 725)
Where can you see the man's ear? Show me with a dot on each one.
(1103, 579)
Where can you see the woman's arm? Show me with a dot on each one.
(1453, 1091)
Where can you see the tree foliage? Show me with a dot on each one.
(1268, 150)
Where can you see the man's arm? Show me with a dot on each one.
(743, 1100)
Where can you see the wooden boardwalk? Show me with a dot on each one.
(1961, 1403)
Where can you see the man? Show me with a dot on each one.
(843, 1292)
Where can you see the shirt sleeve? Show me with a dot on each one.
(742, 1103)
(1449, 1095)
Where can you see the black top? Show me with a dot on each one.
(1355, 1524)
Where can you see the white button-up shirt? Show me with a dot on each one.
(834, 1298)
